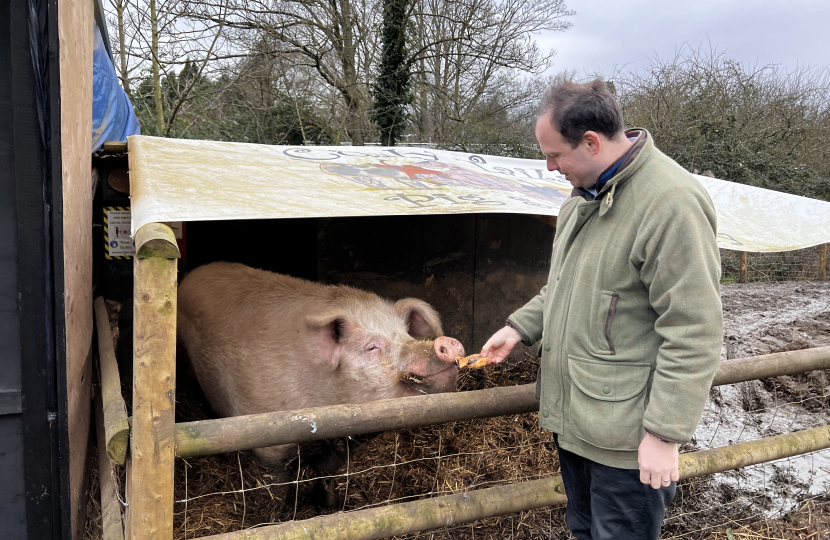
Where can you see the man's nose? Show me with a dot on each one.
(552, 165)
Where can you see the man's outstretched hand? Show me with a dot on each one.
(500, 344)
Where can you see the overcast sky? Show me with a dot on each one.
(626, 34)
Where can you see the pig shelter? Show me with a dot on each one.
(469, 234)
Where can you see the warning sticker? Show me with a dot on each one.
(118, 237)
(178, 229)
(120, 244)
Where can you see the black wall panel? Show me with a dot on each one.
(30, 501)
(13, 494)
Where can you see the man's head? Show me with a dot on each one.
(580, 130)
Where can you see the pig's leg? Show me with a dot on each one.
(327, 457)
(275, 461)
(330, 458)
(275, 456)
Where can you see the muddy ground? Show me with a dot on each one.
(785, 500)
(760, 318)
(763, 318)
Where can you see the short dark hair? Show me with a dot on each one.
(577, 108)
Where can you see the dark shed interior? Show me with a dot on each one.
(474, 269)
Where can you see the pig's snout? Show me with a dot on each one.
(447, 349)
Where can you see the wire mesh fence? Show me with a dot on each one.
(779, 500)
(225, 493)
(230, 492)
(749, 411)
(797, 265)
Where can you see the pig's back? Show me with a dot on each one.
(234, 280)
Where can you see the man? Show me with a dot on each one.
(630, 319)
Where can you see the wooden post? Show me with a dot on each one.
(112, 527)
(116, 427)
(128, 468)
(115, 147)
(304, 425)
(154, 380)
(405, 518)
(743, 278)
(822, 262)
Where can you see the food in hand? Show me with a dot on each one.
(474, 361)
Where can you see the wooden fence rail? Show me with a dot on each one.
(253, 431)
(405, 518)
(116, 427)
(112, 527)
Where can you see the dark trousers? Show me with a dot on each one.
(606, 503)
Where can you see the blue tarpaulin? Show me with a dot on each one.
(113, 118)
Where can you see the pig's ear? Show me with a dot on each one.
(422, 322)
(328, 330)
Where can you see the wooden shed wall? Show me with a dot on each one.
(475, 269)
(45, 283)
(75, 30)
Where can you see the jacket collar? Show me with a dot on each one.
(630, 167)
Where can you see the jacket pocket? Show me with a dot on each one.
(604, 318)
(608, 402)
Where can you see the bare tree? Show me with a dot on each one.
(155, 40)
(760, 125)
(472, 65)
(466, 49)
(123, 71)
(334, 38)
(457, 48)
(154, 60)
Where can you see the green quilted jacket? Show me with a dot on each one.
(630, 319)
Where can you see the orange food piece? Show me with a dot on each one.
(474, 361)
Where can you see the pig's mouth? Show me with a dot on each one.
(430, 383)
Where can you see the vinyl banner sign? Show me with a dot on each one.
(189, 180)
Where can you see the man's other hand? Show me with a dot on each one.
(658, 462)
(500, 344)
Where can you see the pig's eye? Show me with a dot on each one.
(372, 348)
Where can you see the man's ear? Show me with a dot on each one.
(327, 332)
(422, 322)
(592, 142)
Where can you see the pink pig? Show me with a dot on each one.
(262, 342)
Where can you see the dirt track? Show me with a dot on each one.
(761, 318)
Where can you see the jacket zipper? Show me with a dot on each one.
(565, 318)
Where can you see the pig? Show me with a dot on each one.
(261, 342)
